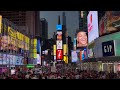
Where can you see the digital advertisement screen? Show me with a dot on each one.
(59, 35)
(38, 59)
(92, 22)
(65, 49)
(83, 54)
(82, 39)
(110, 22)
(5, 40)
(0, 24)
(90, 53)
(75, 56)
(59, 54)
(74, 44)
(59, 27)
(54, 49)
(59, 44)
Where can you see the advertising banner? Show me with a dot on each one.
(108, 48)
(5, 41)
(59, 35)
(92, 21)
(65, 49)
(59, 44)
(65, 58)
(75, 56)
(0, 24)
(54, 49)
(82, 39)
(59, 54)
(110, 22)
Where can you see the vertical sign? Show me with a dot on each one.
(0, 23)
(59, 43)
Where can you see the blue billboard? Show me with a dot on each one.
(59, 27)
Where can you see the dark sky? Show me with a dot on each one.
(52, 18)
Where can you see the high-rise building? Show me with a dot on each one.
(44, 26)
(83, 20)
(28, 22)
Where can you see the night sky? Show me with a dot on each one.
(52, 18)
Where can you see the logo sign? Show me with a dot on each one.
(108, 48)
(59, 27)
(59, 54)
(59, 44)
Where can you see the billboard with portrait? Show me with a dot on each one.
(5, 41)
(92, 22)
(82, 39)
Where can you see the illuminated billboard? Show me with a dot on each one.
(75, 56)
(65, 49)
(82, 40)
(92, 22)
(65, 58)
(109, 23)
(59, 44)
(59, 35)
(54, 49)
(59, 54)
(38, 59)
(59, 27)
(0, 24)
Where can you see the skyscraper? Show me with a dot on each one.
(44, 26)
(83, 20)
(27, 21)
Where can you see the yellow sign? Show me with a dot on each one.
(54, 49)
(0, 24)
(11, 32)
(65, 49)
(65, 58)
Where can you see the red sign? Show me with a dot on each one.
(59, 54)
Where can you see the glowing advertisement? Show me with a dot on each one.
(59, 44)
(0, 24)
(83, 54)
(92, 22)
(59, 35)
(74, 56)
(65, 58)
(65, 49)
(38, 59)
(110, 22)
(59, 54)
(74, 43)
(54, 49)
(59, 27)
(82, 39)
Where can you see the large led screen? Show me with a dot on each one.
(92, 22)
(109, 23)
(82, 40)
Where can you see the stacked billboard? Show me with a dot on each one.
(59, 44)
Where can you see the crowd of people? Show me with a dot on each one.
(83, 74)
